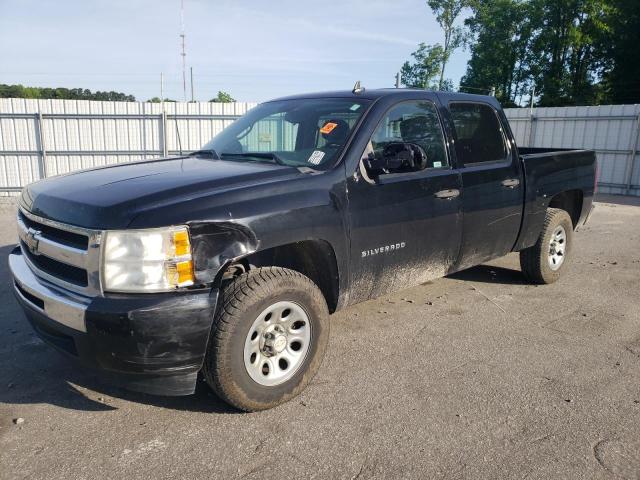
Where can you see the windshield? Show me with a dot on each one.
(299, 133)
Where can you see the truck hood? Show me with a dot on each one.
(111, 197)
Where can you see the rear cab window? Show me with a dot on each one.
(479, 137)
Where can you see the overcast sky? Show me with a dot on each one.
(253, 49)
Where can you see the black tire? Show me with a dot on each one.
(534, 260)
(241, 302)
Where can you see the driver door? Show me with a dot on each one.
(406, 227)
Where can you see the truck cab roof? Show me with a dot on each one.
(399, 93)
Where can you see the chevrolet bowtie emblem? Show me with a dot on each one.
(31, 240)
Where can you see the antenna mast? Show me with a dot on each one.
(184, 53)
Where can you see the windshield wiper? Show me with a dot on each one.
(211, 152)
(267, 155)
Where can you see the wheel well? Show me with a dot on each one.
(313, 258)
(571, 202)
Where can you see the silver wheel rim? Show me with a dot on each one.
(277, 343)
(557, 248)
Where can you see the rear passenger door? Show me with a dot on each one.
(491, 181)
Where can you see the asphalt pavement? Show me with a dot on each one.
(479, 375)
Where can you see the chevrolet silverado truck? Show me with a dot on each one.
(225, 263)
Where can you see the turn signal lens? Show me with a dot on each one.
(180, 274)
(181, 243)
(184, 271)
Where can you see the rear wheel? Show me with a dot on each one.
(544, 262)
(268, 340)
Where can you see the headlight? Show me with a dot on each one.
(150, 260)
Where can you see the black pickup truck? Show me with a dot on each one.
(227, 262)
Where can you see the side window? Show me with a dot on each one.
(413, 122)
(479, 136)
(270, 134)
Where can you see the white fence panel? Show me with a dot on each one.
(41, 138)
(613, 131)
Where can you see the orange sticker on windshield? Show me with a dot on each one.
(328, 127)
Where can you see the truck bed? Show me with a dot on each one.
(547, 173)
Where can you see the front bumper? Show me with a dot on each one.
(154, 343)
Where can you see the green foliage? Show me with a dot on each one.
(159, 100)
(447, 86)
(223, 97)
(19, 91)
(501, 50)
(447, 12)
(429, 61)
(621, 68)
(426, 66)
(565, 47)
(573, 52)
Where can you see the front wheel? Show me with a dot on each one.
(268, 340)
(544, 262)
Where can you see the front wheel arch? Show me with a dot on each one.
(315, 259)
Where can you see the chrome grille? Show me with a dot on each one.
(62, 254)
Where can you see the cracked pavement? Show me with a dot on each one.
(479, 375)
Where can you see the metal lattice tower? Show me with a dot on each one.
(184, 53)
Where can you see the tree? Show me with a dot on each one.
(563, 48)
(159, 100)
(425, 68)
(500, 49)
(621, 68)
(18, 91)
(447, 12)
(586, 41)
(223, 97)
(447, 86)
(568, 63)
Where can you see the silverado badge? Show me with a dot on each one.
(383, 249)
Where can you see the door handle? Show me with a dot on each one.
(448, 194)
(511, 182)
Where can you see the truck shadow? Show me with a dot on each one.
(32, 372)
(491, 274)
(67, 385)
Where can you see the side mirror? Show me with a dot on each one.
(397, 157)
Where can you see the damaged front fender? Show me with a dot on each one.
(216, 244)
